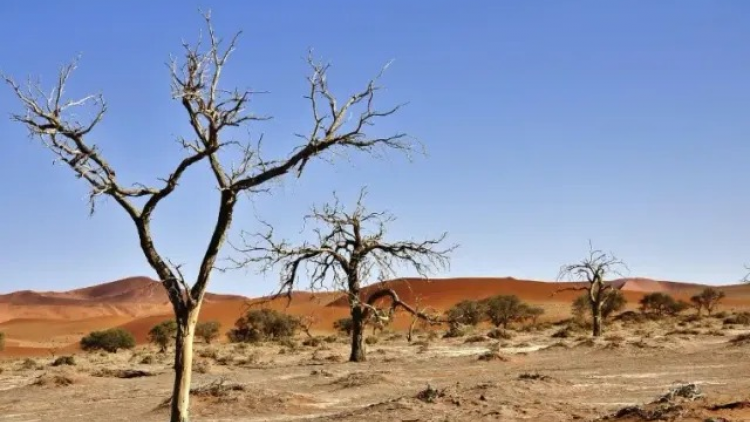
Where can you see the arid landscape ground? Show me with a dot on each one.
(535, 373)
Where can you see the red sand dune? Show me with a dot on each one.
(36, 322)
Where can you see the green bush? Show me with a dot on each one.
(344, 325)
(467, 312)
(661, 304)
(504, 309)
(614, 303)
(110, 340)
(208, 331)
(163, 334)
(263, 324)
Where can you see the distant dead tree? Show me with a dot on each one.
(593, 270)
(349, 246)
(215, 113)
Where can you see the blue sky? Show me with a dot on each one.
(547, 124)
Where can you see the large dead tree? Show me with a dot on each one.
(212, 110)
(593, 270)
(349, 247)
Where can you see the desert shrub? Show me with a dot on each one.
(202, 367)
(720, 315)
(29, 363)
(742, 318)
(691, 318)
(312, 342)
(615, 302)
(344, 325)
(289, 343)
(148, 360)
(568, 331)
(110, 340)
(661, 304)
(54, 380)
(500, 334)
(330, 339)
(467, 312)
(504, 309)
(64, 360)
(263, 324)
(454, 331)
(121, 373)
(162, 334)
(489, 356)
(532, 313)
(631, 317)
(476, 339)
(209, 353)
(208, 331)
(740, 340)
(2, 340)
(371, 340)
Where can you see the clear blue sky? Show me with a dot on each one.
(547, 124)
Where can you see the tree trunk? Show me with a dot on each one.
(183, 366)
(358, 335)
(597, 320)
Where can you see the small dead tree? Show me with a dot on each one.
(214, 113)
(349, 246)
(593, 270)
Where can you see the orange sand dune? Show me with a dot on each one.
(132, 297)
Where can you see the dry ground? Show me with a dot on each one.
(535, 377)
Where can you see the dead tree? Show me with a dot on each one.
(349, 246)
(214, 112)
(593, 270)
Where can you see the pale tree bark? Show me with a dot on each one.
(349, 246)
(211, 109)
(593, 270)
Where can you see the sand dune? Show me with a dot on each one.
(36, 322)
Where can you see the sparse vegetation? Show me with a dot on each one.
(467, 312)
(263, 325)
(2, 341)
(661, 304)
(504, 309)
(163, 334)
(110, 340)
(208, 331)
(344, 325)
(742, 318)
